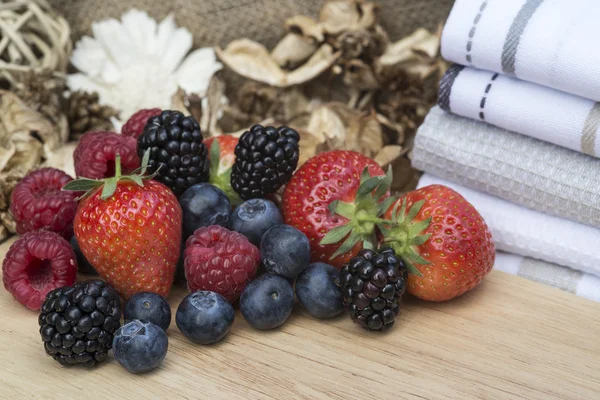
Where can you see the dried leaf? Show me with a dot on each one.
(305, 26)
(416, 54)
(253, 61)
(178, 102)
(359, 75)
(337, 126)
(293, 50)
(215, 100)
(388, 154)
(294, 103)
(337, 16)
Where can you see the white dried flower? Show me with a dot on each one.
(137, 63)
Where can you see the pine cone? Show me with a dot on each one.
(41, 91)
(85, 113)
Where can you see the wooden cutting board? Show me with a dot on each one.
(507, 339)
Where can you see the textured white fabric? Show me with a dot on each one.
(529, 233)
(550, 42)
(527, 108)
(517, 168)
(576, 282)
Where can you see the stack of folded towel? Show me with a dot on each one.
(516, 132)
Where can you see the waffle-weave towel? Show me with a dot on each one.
(526, 171)
(550, 42)
(519, 230)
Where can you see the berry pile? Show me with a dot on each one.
(154, 200)
(372, 283)
(77, 323)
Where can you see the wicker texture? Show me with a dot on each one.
(32, 38)
(221, 21)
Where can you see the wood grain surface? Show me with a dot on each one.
(507, 339)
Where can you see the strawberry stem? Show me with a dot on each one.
(118, 166)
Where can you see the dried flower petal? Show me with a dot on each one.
(293, 50)
(359, 75)
(252, 60)
(388, 154)
(347, 15)
(306, 27)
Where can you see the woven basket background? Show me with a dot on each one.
(220, 21)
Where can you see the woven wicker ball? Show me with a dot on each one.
(32, 38)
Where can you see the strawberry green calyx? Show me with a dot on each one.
(364, 215)
(404, 235)
(220, 174)
(109, 185)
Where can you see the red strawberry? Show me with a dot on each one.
(336, 199)
(222, 156)
(436, 228)
(129, 229)
(220, 260)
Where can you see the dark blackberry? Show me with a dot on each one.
(176, 150)
(266, 158)
(372, 284)
(77, 323)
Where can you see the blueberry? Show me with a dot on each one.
(254, 217)
(148, 307)
(140, 346)
(203, 205)
(267, 302)
(285, 251)
(204, 317)
(83, 265)
(317, 291)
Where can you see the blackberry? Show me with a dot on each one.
(77, 323)
(372, 284)
(176, 150)
(266, 158)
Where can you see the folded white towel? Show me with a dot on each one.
(550, 42)
(514, 167)
(523, 107)
(576, 282)
(522, 231)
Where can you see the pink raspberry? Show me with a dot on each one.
(134, 126)
(220, 260)
(35, 264)
(95, 154)
(37, 202)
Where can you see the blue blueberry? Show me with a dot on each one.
(203, 205)
(254, 217)
(267, 302)
(285, 251)
(317, 291)
(140, 346)
(83, 265)
(204, 317)
(148, 307)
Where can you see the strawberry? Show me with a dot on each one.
(222, 158)
(436, 228)
(337, 199)
(129, 228)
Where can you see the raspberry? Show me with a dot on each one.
(134, 126)
(95, 154)
(35, 264)
(38, 202)
(220, 260)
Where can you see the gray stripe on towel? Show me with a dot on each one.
(446, 86)
(513, 38)
(588, 138)
(550, 274)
